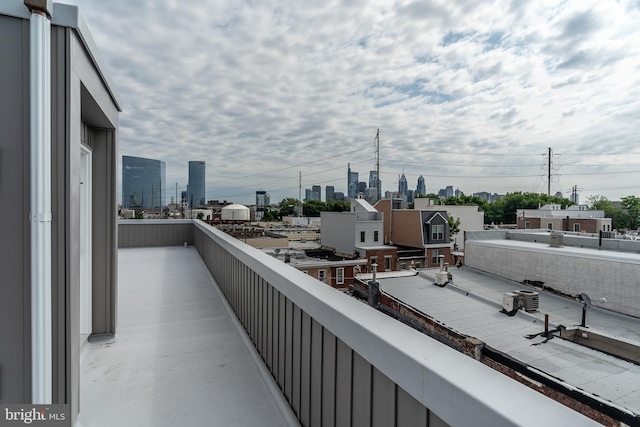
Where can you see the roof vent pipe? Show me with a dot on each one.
(40, 215)
(374, 288)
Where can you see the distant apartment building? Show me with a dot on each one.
(574, 218)
(339, 196)
(446, 192)
(421, 236)
(359, 232)
(471, 219)
(196, 186)
(143, 183)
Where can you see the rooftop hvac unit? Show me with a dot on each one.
(555, 240)
(530, 299)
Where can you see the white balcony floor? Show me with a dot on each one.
(178, 358)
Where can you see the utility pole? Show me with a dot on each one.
(549, 175)
(378, 189)
(176, 205)
(300, 193)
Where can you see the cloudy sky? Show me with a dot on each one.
(466, 93)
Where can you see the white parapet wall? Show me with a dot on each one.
(614, 276)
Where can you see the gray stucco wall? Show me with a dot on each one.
(616, 280)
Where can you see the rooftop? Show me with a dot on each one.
(472, 304)
(178, 357)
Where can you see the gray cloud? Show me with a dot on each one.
(271, 87)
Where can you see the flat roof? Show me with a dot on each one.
(543, 247)
(472, 304)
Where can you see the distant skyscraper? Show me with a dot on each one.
(373, 179)
(402, 185)
(448, 192)
(352, 182)
(263, 200)
(575, 198)
(195, 188)
(362, 187)
(312, 193)
(421, 188)
(143, 183)
(329, 193)
(372, 192)
(339, 196)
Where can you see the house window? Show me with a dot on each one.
(374, 260)
(362, 236)
(576, 226)
(387, 263)
(403, 266)
(375, 236)
(527, 225)
(418, 264)
(549, 226)
(605, 227)
(437, 232)
(435, 256)
(322, 275)
(340, 276)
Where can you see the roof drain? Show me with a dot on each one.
(40, 215)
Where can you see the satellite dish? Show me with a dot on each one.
(276, 251)
(584, 297)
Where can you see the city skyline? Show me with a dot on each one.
(465, 95)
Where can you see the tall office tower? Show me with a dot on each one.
(421, 188)
(352, 182)
(373, 179)
(448, 192)
(362, 187)
(143, 183)
(329, 192)
(403, 186)
(317, 192)
(263, 200)
(195, 189)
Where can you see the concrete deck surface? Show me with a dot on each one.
(178, 358)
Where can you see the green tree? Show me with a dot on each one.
(287, 207)
(454, 225)
(269, 215)
(620, 220)
(632, 206)
(200, 216)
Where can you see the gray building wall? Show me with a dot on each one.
(567, 270)
(80, 94)
(338, 230)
